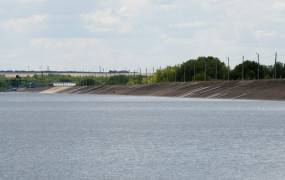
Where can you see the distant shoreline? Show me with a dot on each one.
(251, 90)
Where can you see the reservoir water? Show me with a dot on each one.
(72, 137)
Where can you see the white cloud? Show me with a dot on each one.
(105, 21)
(135, 6)
(78, 53)
(269, 35)
(32, 1)
(193, 24)
(48, 43)
(167, 7)
(120, 18)
(279, 5)
(23, 24)
(178, 29)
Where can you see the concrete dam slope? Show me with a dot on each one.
(262, 89)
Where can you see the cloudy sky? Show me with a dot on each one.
(127, 34)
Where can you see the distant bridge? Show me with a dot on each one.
(13, 74)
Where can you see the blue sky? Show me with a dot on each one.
(128, 34)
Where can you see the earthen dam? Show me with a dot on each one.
(261, 89)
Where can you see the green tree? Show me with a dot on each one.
(121, 79)
(250, 71)
(4, 83)
(208, 68)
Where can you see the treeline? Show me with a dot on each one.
(47, 80)
(203, 68)
(211, 68)
(200, 69)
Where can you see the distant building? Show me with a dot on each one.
(64, 84)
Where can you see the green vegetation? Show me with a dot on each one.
(203, 68)
(210, 68)
(4, 83)
(251, 71)
(47, 80)
(200, 69)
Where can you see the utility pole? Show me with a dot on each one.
(175, 73)
(195, 71)
(146, 72)
(275, 68)
(42, 73)
(190, 72)
(167, 74)
(216, 70)
(205, 71)
(184, 73)
(242, 68)
(258, 66)
(228, 68)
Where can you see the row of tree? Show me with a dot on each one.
(200, 69)
(47, 80)
(211, 68)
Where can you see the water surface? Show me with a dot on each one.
(71, 137)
